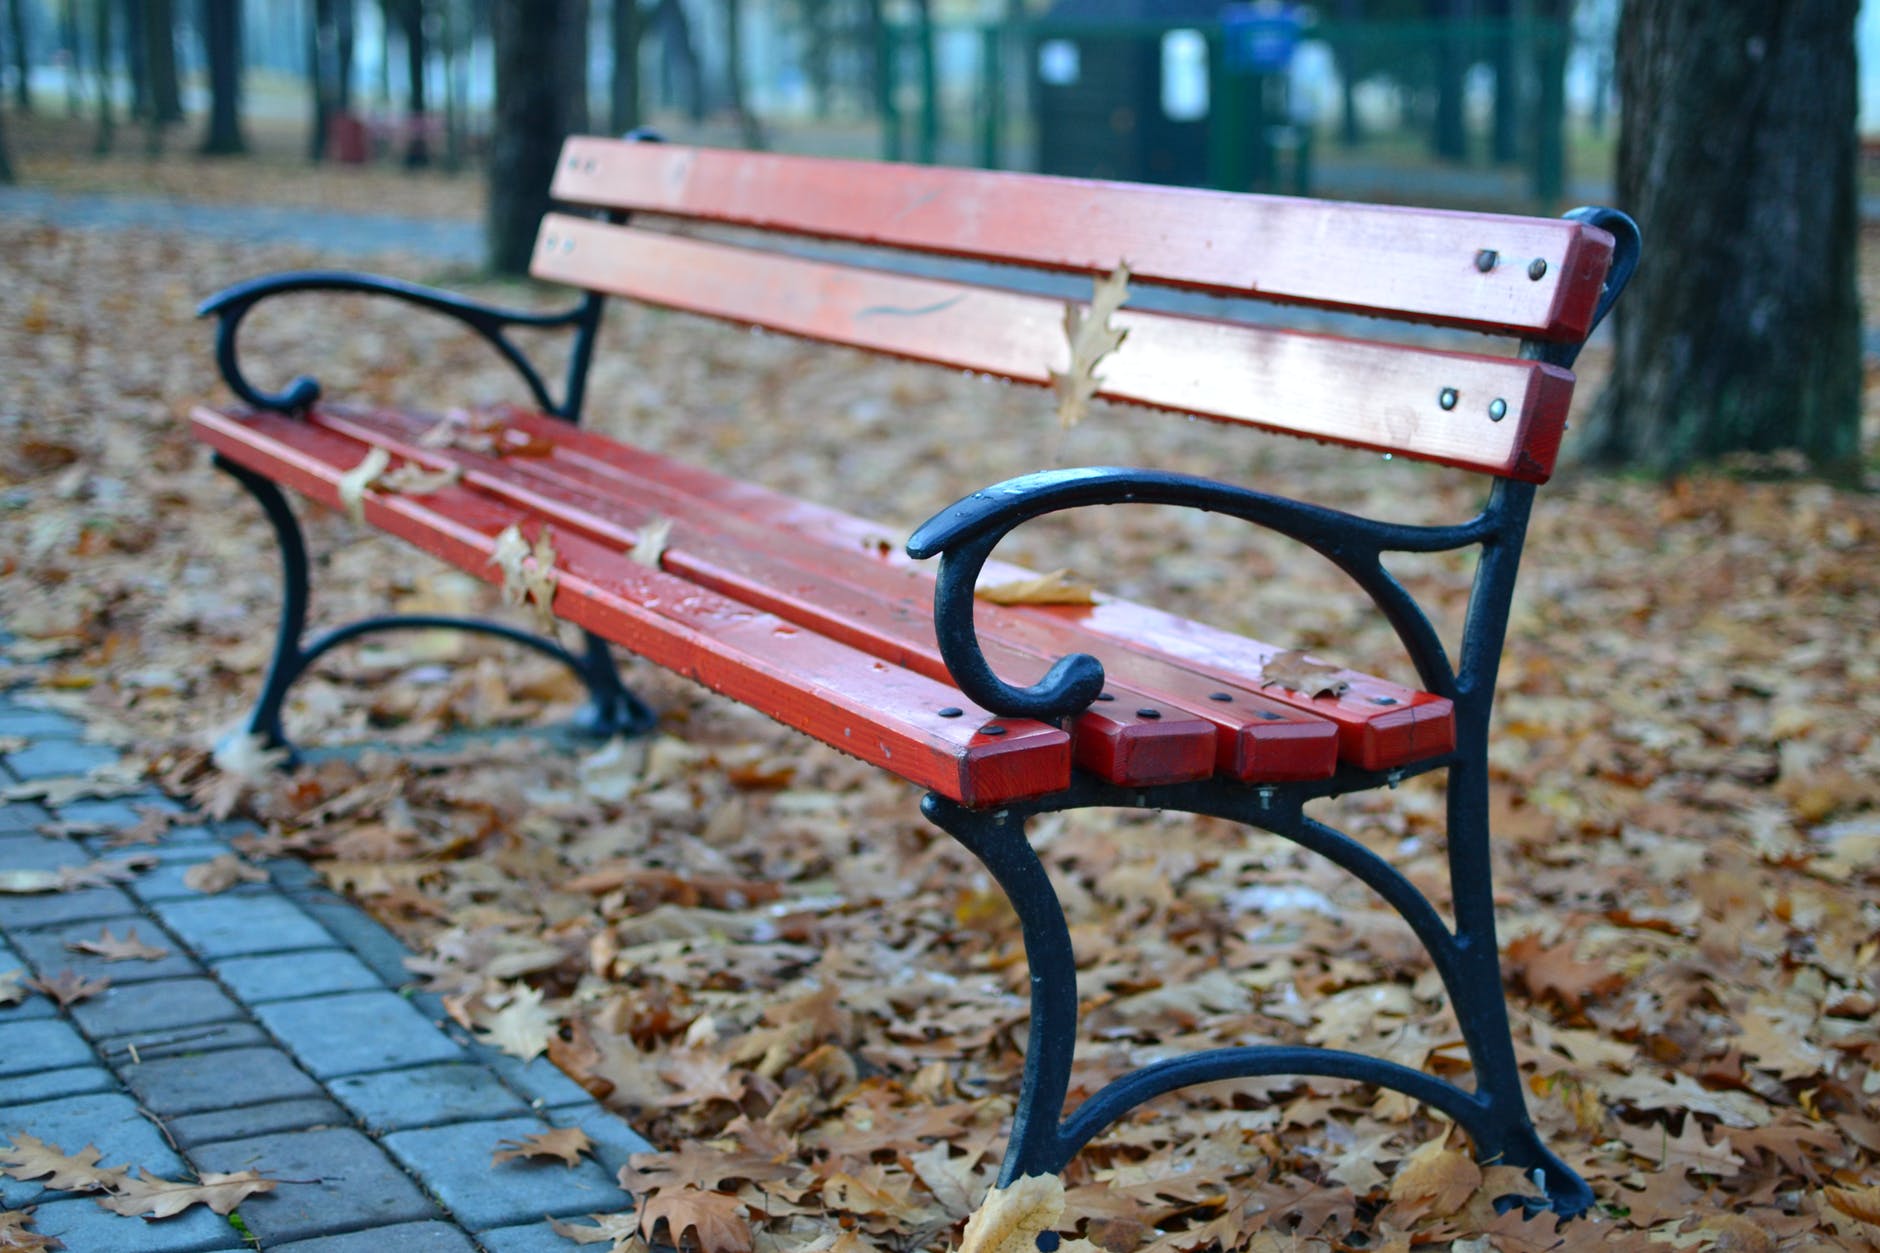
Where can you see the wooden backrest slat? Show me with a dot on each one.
(1438, 406)
(1422, 264)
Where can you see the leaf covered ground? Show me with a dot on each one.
(755, 951)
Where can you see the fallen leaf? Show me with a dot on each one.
(622, 1230)
(30, 882)
(1055, 588)
(1297, 672)
(412, 479)
(353, 483)
(528, 573)
(566, 1143)
(1011, 1219)
(1435, 1180)
(715, 1219)
(112, 949)
(1863, 1204)
(151, 1197)
(14, 1235)
(221, 873)
(12, 989)
(1092, 338)
(652, 542)
(68, 987)
(521, 1028)
(27, 1158)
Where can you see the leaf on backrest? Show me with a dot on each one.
(1055, 588)
(353, 483)
(1092, 339)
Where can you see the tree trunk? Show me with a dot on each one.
(320, 76)
(134, 61)
(101, 62)
(1737, 155)
(222, 49)
(749, 132)
(159, 28)
(6, 162)
(1555, 32)
(22, 61)
(1505, 129)
(69, 40)
(535, 106)
(624, 115)
(1449, 140)
(418, 142)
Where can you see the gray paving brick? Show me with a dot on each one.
(163, 1005)
(614, 1140)
(378, 948)
(52, 909)
(435, 1237)
(18, 719)
(353, 1032)
(429, 1096)
(221, 1080)
(49, 1085)
(17, 816)
(354, 1185)
(142, 1046)
(454, 1163)
(51, 758)
(540, 1081)
(108, 1120)
(292, 976)
(36, 852)
(47, 952)
(190, 1130)
(535, 1237)
(116, 811)
(238, 926)
(83, 1224)
(41, 1044)
(34, 1006)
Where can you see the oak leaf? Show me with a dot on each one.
(620, 1231)
(1011, 1219)
(26, 1158)
(1863, 1203)
(521, 1028)
(716, 1220)
(15, 1236)
(1297, 672)
(353, 483)
(412, 479)
(651, 545)
(68, 987)
(152, 1197)
(529, 575)
(565, 1143)
(1557, 972)
(1435, 1180)
(1055, 588)
(221, 873)
(12, 988)
(1092, 338)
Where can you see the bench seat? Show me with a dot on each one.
(753, 580)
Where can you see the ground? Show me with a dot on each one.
(754, 949)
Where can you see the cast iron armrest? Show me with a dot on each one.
(964, 534)
(232, 304)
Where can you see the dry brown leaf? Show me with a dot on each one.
(68, 987)
(1297, 672)
(716, 1220)
(528, 573)
(620, 1231)
(30, 882)
(1435, 1180)
(1010, 1220)
(353, 483)
(28, 1158)
(1055, 588)
(12, 988)
(522, 1028)
(150, 1197)
(112, 949)
(412, 479)
(651, 545)
(1092, 338)
(565, 1143)
(15, 1236)
(1863, 1203)
(221, 873)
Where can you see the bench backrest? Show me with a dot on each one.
(1531, 279)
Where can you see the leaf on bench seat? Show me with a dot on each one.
(652, 544)
(353, 483)
(1299, 673)
(528, 573)
(1055, 588)
(1092, 339)
(412, 479)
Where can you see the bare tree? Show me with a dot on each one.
(22, 61)
(222, 48)
(6, 162)
(536, 95)
(624, 95)
(749, 131)
(101, 63)
(1737, 155)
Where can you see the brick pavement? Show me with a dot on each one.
(275, 1036)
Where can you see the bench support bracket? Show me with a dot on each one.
(611, 710)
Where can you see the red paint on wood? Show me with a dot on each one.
(1415, 263)
(1384, 397)
(863, 705)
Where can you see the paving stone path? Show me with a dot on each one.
(276, 1036)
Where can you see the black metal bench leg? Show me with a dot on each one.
(611, 710)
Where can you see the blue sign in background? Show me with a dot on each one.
(1260, 38)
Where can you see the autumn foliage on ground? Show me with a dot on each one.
(755, 951)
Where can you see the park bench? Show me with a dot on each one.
(1004, 712)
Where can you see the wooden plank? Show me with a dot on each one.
(1437, 406)
(1116, 741)
(1417, 263)
(860, 704)
(612, 489)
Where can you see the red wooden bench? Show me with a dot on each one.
(1004, 712)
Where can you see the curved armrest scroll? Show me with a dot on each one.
(964, 534)
(232, 304)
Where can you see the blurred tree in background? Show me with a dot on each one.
(1737, 153)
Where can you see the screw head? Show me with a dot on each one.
(1497, 409)
(1485, 259)
(1537, 269)
(992, 728)
(1447, 398)
(951, 711)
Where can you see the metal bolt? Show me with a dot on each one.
(1383, 700)
(1485, 260)
(1537, 269)
(992, 728)
(1497, 409)
(1220, 696)
(567, 244)
(1150, 714)
(1266, 795)
(1106, 696)
(1447, 398)
(951, 711)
